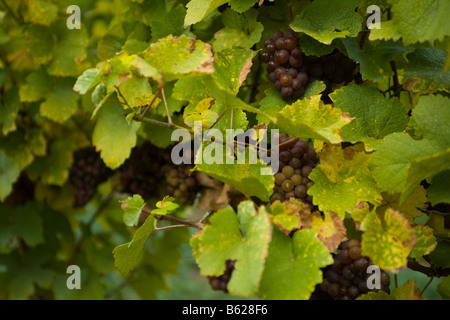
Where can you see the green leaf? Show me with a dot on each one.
(407, 291)
(430, 119)
(54, 167)
(231, 68)
(388, 240)
(410, 207)
(36, 87)
(127, 256)
(9, 173)
(242, 5)
(175, 57)
(400, 163)
(342, 180)
(438, 191)
(330, 228)
(407, 15)
(40, 41)
(325, 21)
(424, 72)
(375, 116)
(69, 53)
(88, 80)
(9, 111)
(246, 178)
(163, 21)
(444, 288)
(374, 59)
(60, 104)
(425, 241)
(241, 30)
(198, 9)
(41, 12)
(113, 136)
(166, 206)
(293, 266)
(243, 238)
(440, 257)
(312, 119)
(24, 222)
(271, 104)
(286, 215)
(132, 208)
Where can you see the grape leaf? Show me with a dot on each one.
(426, 241)
(36, 87)
(312, 119)
(24, 222)
(401, 162)
(271, 104)
(198, 9)
(289, 216)
(374, 59)
(330, 229)
(437, 223)
(424, 72)
(175, 57)
(440, 257)
(162, 21)
(132, 208)
(127, 256)
(88, 80)
(60, 104)
(430, 119)
(41, 12)
(407, 15)
(231, 67)
(54, 167)
(243, 238)
(342, 180)
(113, 136)
(387, 242)
(444, 288)
(407, 291)
(438, 192)
(165, 206)
(246, 178)
(241, 30)
(9, 111)
(292, 267)
(410, 207)
(241, 5)
(325, 21)
(69, 53)
(374, 115)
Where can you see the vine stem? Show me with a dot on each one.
(166, 217)
(150, 105)
(426, 286)
(165, 105)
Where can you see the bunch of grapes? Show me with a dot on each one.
(297, 160)
(22, 191)
(150, 172)
(182, 184)
(87, 172)
(291, 70)
(142, 172)
(346, 278)
(221, 283)
(284, 59)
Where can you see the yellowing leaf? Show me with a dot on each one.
(387, 240)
